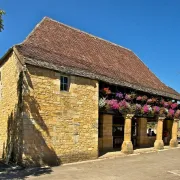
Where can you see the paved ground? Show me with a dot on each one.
(163, 165)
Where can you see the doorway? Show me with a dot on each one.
(118, 131)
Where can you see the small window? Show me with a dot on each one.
(64, 83)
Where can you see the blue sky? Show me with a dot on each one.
(149, 28)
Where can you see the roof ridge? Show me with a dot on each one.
(91, 35)
(37, 25)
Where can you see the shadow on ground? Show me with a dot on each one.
(14, 172)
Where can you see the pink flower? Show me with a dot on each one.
(128, 97)
(113, 104)
(149, 101)
(170, 113)
(124, 104)
(139, 98)
(166, 104)
(138, 107)
(162, 102)
(156, 109)
(146, 108)
(174, 105)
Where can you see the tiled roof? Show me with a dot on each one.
(60, 46)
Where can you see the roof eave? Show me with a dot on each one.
(83, 73)
(4, 57)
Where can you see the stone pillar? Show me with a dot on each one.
(127, 146)
(159, 144)
(107, 139)
(142, 138)
(174, 141)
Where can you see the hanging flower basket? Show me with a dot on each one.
(141, 106)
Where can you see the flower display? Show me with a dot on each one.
(124, 103)
(124, 106)
(174, 105)
(146, 109)
(170, 103)
(139, 98)
(170, 113)
(156, 109)
(163, 111)
(113, 103)
(119, 95)
(139, 105)
(138, 109)
(102, 102)
(128, 97)
(133, 95)
(154, 100)
(166, 104)
(107, 91)
(144, 98)
(162, 102)
(149, 101)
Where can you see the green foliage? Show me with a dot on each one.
(1, 20)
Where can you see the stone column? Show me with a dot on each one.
(174, 141)
(127, 146)
(107, 139)
(159, 144)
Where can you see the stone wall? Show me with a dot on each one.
(59, 127)
(142, 139)
(106, 141)
(10, 130)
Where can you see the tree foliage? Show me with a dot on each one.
(1, 20)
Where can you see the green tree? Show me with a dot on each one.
(1, 20)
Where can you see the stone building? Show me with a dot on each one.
(50, 88)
